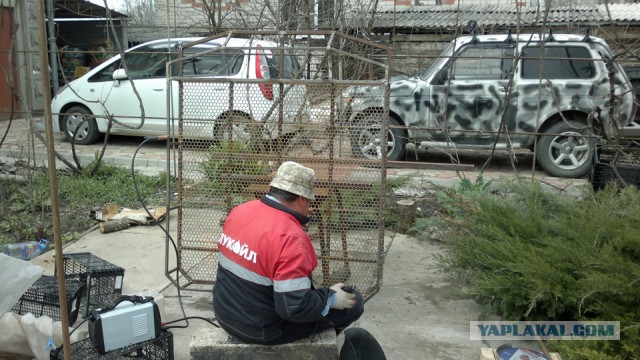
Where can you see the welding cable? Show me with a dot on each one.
(77, 326)
(173, 243)
(210, 321)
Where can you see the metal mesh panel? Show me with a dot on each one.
(235, 130)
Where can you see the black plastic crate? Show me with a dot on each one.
(604, 173)
(103, 280)
(154, 349)
(608, 161)
(42, 299)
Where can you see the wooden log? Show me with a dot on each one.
(406, 214)
(114, 225)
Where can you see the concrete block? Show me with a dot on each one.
(213, 343)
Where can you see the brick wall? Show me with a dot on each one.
(9, 103)
(189, 17)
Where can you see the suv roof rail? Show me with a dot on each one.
(550, 37)
(509, 37)
(472, 26)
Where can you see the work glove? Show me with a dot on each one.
(344, 300)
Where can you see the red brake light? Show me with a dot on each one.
(262, 72)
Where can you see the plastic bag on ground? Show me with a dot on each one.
(32, 337)
(16, 276)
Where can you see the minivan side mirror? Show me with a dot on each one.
(119, 74)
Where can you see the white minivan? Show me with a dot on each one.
(84, 106)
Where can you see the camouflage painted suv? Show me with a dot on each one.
(556, 90)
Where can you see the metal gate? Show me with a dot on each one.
(248, 101)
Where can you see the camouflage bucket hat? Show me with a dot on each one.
(296, 179)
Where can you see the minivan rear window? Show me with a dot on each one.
(558, 62)
(291, 66)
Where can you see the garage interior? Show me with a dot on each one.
(86, 34)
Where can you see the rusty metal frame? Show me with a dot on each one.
(332, 184)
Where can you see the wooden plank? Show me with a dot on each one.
(257, 190)
(429, 166)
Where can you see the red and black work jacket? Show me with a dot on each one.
(264, 273)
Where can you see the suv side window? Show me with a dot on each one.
(483, 62)
(558, 62)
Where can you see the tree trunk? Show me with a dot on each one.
(406, 214)
(114, 225)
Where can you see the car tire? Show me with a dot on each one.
(565, 149)
(366, 137)
(88, 132)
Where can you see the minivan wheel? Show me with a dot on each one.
(243, 131)
(367, 138)
(567, 149)
(87, 133)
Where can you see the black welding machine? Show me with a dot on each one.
(133, 319)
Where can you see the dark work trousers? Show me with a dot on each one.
(359, 344)
(338, 319)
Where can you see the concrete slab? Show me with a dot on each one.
(215, 344)
(140, 250)
(417, 313)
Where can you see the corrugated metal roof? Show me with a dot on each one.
(623, 12)
(448, 16)
(81, 9)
